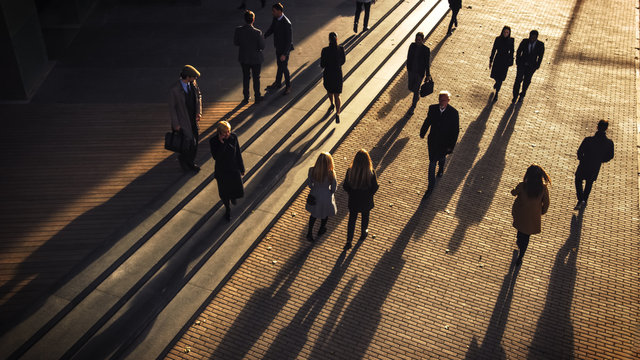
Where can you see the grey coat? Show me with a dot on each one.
(178, 108)
(324, 194)
(251, 44)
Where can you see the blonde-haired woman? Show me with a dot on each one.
(361, 184)
(532, 201)
(229, 169)
(321, 202)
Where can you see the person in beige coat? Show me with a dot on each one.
(532, 201)
(185, 109)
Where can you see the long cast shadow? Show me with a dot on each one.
(482, 182)
(491, 347)
(554, 336)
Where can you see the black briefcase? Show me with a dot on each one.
(426, 88)
(176, 141)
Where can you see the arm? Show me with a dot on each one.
(239, 161)
(428, 62)
(494, 50)
(545, 200)
(213, 145)
(374, 184)
(270, 29)
(540, 55)
(455, 131)
(342, 57)
(516, 190)
(260, 41)
(410, 58)
(334, 186)
(345, 185)
(580, 152)
(323, 58)
(425, 125)
(288, 37)
(609, 154)
(175, 124)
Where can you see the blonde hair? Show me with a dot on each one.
(445, 92)
(361, 171)
(323, 169)
(223, 125)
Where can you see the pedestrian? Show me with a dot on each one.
(243, 4)
(283, 42)
(528, 60)
(501, 58)
(251, 43)
(532, 201)
(367, 8)
(455, 6)
(229, 168)
(331, 60)
(185, 109)
(417, 67)
(361, 184)
(321, 202)
(444, 121)
(593, 151)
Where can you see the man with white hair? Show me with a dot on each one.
(444, 121)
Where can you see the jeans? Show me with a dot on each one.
(247, 71)
(351, 225)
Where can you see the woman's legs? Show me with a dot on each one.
(522, 240)
(227, 208)
(312, 221)
(364, 225)
(351, 227)
(337, 101)
(323, 226)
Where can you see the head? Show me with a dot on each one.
(506, 32)
(224, 130)
(534, 179)
(420, 38)
(361, 170)
(443, 98)
(189, 73)
(323, 169)
(533, 35)
(603, 125)
(277, 10)
(249, 17)
(333, 39)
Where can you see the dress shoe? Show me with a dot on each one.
(364, 234)
(355, 28)
(337, 119)
(244, 101)
(194, 167)
(259, 99)
(287, 90)
(347, 246)
(227, 214)
(322, 230)
(274, 86)
(366, 28)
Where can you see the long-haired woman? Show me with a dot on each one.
(331, 60)
(321, 202)
(532, 201)
(501, 58)
(361, 184)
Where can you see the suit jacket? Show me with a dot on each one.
(251, 44)
(530, 60)
(178, 108)
(282, 39)
(445, 129)
(418, 59)
(593, 151)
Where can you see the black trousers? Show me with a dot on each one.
(523, 75)
(247, 71)
(522, 240)
(454, 19)
(283, 69)
(189, 157)
(432, 171)
(351, 225)
(367, 9)
(583, 193)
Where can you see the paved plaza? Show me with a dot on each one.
(435, 279)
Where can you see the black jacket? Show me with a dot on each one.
(445, 129)
(360, 200)
(530, 60)
(282, 40)
(593, 151)
(251, 44)
(229, 166)
(418, 59)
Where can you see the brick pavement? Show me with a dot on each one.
(434, 279)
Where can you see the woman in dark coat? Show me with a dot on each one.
(418, 67)
(229, 168)
(331, 60)
(361, 184)
(501, 58)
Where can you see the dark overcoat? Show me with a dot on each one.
(178, 111)
(229, 166)
(593, 151)
(418, 64)
(502, 57)
(360, 199)
(331, 60)
(251, 43)
(445, 128)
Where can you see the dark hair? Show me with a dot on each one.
(278, 6)
(249, 16)
(506, 27)
(603, 125)
(533, 33)
(421, 34)
(333, 39)
(534, 179)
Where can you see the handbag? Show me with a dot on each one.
(426, 88)
(311, 200)
(176, 141)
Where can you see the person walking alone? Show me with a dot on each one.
(321, 202)
(283, 42)
(229, 168)
(455, 6)
(532, 201)
(185, 104)
(593, 151)
(417, 67)
(331, 60)
(501, 58)
(366, 4)
(361, 184)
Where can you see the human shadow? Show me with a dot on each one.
(554, 336)
(292, 338)
(482, 181)
(491, 347)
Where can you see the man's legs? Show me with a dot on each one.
(255, 71)
(367, 9)
(517, 82)
(454, 19)
(587, 189)
(357, 16)
(279, 72)
(526, 82)
(246, 69)
(285, 70)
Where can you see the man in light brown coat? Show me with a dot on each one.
(185, 103)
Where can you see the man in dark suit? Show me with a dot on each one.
(455, 6)
(283, 42)
(528, 59)
(417, 67)
(185, 104)
(251, 43)
(593, 151)
(444, 121)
